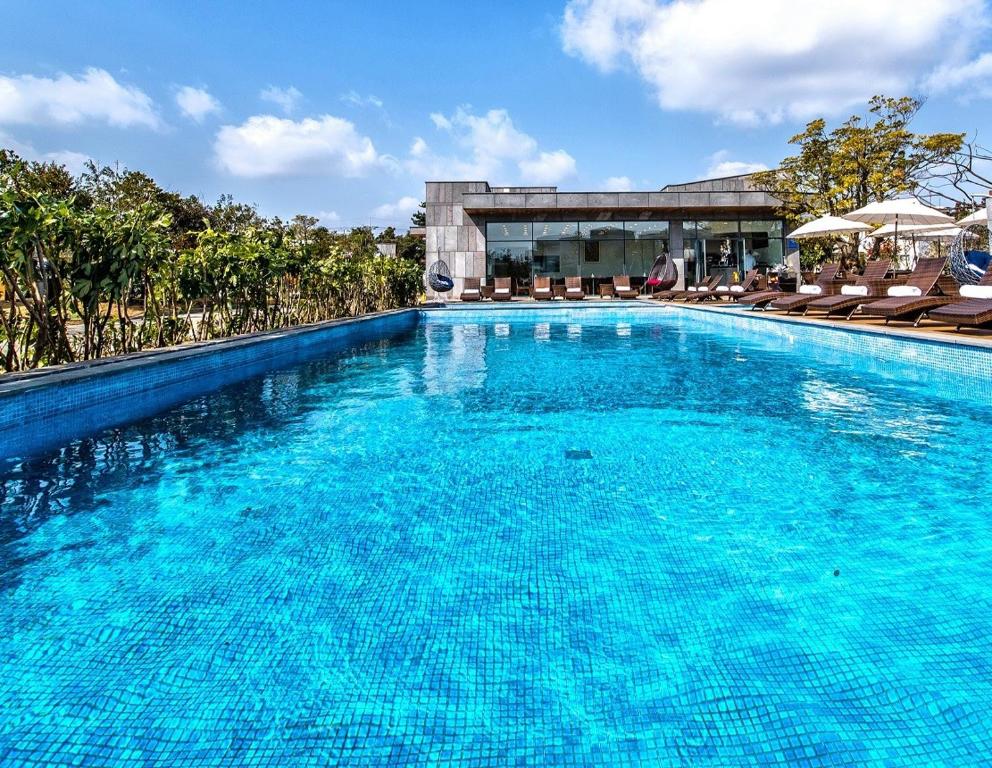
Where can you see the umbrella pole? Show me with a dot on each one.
(895, 239)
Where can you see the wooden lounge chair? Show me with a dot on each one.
(573, 289)
(502, 289)
(622, 288)
(870, 284)
(762, 299)
(705, 293)
(974, 309)
(920, 294)
(800, 301)
(703, 285)
(541, 291)
(668, 293)
(736, 290)
(472, 290)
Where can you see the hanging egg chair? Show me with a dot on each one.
(962, 269)
(438, 277)
(664, 274)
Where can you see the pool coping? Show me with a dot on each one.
(50, 376)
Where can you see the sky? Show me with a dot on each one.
(343, 110)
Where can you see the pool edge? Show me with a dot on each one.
(47, 408)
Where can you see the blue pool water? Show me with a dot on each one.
(606, 539)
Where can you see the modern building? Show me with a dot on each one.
(717, 225)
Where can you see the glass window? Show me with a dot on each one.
(763, 244)
(556, 258)
(556, 248)
(601, 230)
(602, 258)
(508, 231)
(690, 249)
(555, 230)
(646, 241)
(641, 255)
(646, 230)
(718, 250)
(509, 259)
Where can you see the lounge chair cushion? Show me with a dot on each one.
(502, 290)
(737, 289)
(812, 290)
(471, 290)
(575, 290)
(905, 290)
(692, 288)
(976, 291)
(854, 290)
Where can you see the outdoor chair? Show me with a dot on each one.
(502, 287)
(622, 287)
(472, 290)
(573, 288)
(762, 299)
(920, 294)
(870, 285)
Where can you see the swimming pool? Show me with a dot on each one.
(584, 537)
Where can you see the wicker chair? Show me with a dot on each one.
(502, 289)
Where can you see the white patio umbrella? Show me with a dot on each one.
(981, 216)
(826, 226)
(945, 233)
(903, 210)
(888, 230)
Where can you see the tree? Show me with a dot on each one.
(965, 177)
(43, 178)
(865, 159)
(419, 217)
(111, 263)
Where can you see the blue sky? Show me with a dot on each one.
(342, 110)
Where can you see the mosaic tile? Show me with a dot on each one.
(380, 553)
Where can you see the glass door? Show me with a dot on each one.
(719, 250)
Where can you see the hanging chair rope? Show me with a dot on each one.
(438, 277)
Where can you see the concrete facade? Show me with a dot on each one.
(457, 213)
(454, 236)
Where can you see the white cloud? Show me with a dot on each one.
(547, 167)
(419, 147)
(488, 146)
(93, 96)
(265, 145)
(440, 121)
(287, 99)
(75, 162)
(618, 184)
(762, 61)
(403, 207)
(721, 165)
(356, 99)
(329, 218)
(196, 103)
(970, 79)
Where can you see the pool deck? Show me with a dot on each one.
(928, 330)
